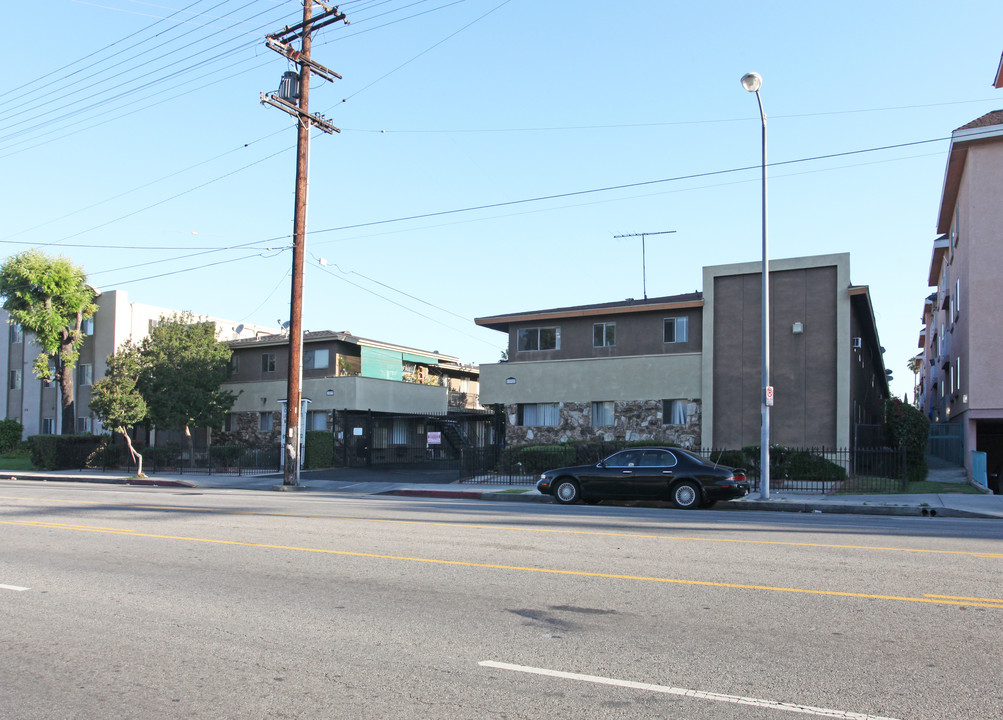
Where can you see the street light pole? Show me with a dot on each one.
(752, 82)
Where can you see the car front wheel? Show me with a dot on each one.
(566, 491)
(686, 495)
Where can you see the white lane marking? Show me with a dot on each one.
(697, 694)
(13, 587)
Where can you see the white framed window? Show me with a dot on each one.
(87, 326)
(602, 413)
(675, 330)
(85, 376)
(541, 338)
(84, 425)
(957, 298)
(266, 421)
(16, 333)
(235, 364)
(267, 362)
(674, 412)
(14, 380)
(48, 426)
(318, 359)
(538, 415)
(604, 334)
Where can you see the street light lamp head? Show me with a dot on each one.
(752, 81)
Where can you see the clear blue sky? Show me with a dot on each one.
(154, 150)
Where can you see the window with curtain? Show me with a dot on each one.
(265, 421)
(602, 413)
(538, 415)
(674, 412)
(316, 359)
(675, 330)
(399, 436)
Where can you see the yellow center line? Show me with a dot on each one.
(552, 531)
(930, 599)
(957, 597)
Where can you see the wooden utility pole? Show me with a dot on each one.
(294, 98)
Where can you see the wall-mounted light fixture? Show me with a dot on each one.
(510, 381)
(797, 328)
(329, 392)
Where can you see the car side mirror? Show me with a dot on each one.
(600, 464)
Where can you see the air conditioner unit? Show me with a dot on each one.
(857, 343)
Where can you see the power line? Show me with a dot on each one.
(625, 186)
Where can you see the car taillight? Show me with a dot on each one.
(738, 477)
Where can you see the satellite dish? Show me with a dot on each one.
(239, 329)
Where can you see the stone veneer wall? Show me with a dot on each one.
(246, 432)
(633, 420)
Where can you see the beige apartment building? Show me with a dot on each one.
(960, 383)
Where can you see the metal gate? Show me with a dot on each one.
(947, 441)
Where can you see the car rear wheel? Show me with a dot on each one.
(686, 495)
(566, 491)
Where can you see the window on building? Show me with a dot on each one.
(86, 375)
(957, 372)
(48, 426)
(84, 425)
(235, 364)
(675, 330)
(316, 359)
(50, 381)
(604, 334)
(546, 338)
(602, 413)
(267, 362)
(674, 412)
(957, 298)
(266, 421)
(316, 420)
(538, 415)
(87, 326)
(399, 432)
(16, 333)
(229, 423)
(14, 381)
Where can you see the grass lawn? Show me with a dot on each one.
(883, 486)
(15, 462)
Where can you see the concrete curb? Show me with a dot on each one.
(747, 505)
(121, 480)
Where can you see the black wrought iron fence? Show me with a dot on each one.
(794, 470)
(221, 460)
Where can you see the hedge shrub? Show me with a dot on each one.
(10, 434)
(319, 450)
(908, 428)
(62, 452)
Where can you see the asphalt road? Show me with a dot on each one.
(122, 602)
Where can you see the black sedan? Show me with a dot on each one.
(646, 473)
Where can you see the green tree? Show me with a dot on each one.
(183, 367)
(116, 400)
(50, 298)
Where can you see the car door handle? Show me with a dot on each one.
(667, 472)
(628, 472)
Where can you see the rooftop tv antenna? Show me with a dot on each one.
(644, 271)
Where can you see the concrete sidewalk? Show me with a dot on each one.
(926, 505)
